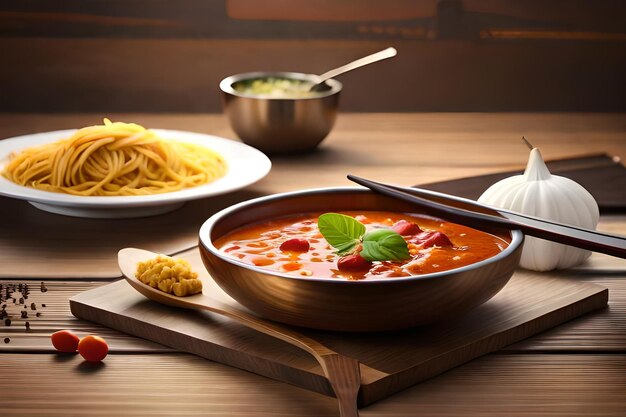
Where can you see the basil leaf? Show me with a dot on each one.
(384, 245)
(342, 232)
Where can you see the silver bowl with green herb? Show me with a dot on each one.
(277, 112)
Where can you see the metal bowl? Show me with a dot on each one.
(330, 304)
(280, 125)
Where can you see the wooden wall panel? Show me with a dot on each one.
(168, 55)
(170, 75)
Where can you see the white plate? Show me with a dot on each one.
(246, 166)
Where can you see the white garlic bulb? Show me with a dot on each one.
(541, 194)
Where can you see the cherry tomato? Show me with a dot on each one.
(93, 348)
(65, 341)
(353, 263)
(406, 228)
(295, 245)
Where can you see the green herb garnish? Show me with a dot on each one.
(342, 232)
(384, 245)
(347, 235)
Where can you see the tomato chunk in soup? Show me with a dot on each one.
(294, 245)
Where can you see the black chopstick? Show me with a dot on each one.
(446, 206)
(474, 206)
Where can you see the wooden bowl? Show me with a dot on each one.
(355, 306)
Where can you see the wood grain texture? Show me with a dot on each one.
(38, 244)
(47, 311)
(455, 55)
(601, 331)
(529, 384)
(385, 19)
(182, 75)
(529, 304)
(70, 247)
(177, 384)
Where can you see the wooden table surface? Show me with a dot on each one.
(577, 369)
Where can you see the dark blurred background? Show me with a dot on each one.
(454, 55)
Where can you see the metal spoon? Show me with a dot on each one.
(378, 56)
(342, 372)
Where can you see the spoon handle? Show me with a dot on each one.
(342, 372)
(267, 327)
(385, 53)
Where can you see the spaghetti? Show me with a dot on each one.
(115, 159)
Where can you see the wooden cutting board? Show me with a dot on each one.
(529, 304)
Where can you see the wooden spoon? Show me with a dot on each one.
(341, 371)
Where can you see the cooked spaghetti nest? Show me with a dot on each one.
(115, 159)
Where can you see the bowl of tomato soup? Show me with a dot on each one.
(347, 259)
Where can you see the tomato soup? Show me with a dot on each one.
(294, 245)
